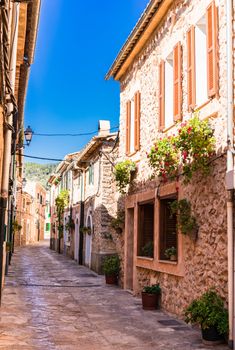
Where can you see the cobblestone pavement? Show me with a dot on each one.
(49, 302)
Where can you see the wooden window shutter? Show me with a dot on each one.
(191, 68)
(168, 227)
(137, 121)
(177, 66)
(128, 126)
(162, 95)
(212, 33)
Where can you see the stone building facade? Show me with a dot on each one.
(30, 214)
(88, 176)
(164, 27)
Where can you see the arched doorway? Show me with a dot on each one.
(88, 240)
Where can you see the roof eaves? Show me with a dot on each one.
(134, 37)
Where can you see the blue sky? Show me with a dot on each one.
(77, 43)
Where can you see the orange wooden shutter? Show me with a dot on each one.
(191, 68)
(212, 32)
(177, 64)
(128, 126)
(162, 95)
(137, 121)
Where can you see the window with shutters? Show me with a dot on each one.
(169, 118)
(201, 61)
(146, 230)
(91, 174)
(167, 228)
(133, 124)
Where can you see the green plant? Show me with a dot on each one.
(185, 221)
(70, 224)
(186, 152)
(154, 289)
(111, 265)
(164, 157)
(147, 249)
(9, 246)
(16, 226)
(208, 311)
(170, 252)
(61, 201)
(122, 173)
(196, 143)
(85, 229)
(119, 221)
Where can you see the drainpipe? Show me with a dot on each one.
(10, 26)
(81, 238)
(230, 170)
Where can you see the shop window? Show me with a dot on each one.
(146, 230)
(168, 228)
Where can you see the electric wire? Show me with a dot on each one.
(79, 134)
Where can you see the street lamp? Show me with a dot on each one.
(28, 134)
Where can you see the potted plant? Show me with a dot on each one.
(171, 253)
(111, 268)
(186, 222)
(151, 297)
(147, 249)
(209, 312)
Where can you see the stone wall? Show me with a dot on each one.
(205, 262)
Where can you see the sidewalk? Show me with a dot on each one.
(50, 302)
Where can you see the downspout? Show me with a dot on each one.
(230, 170)
(10, 103)
(81, 238)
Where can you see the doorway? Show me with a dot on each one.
(88, 242)
(76, 240)
(130, 249)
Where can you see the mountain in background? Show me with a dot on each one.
(39, 172)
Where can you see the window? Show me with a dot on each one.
(133, 124)
(168, 229)
(200, 61)
(146, 230)
(202, 58)
(91, 174)
(40, 199)
(170, 88)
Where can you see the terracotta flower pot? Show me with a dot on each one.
(173, 258)
(150, 301)
(111, 279)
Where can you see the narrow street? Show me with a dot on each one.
(49, 302)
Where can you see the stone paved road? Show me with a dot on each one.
(49, 302)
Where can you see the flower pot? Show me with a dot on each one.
(111, 279)
(150, 301)
(173, 258)
(211, 336)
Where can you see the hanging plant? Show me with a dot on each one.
(61, 201)
(122, 172)
(70, 224)
(186, 222)
(164, 157)
(196, 143)
(185, 153)
(85, 229)
(118, 222)
(16, 226)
